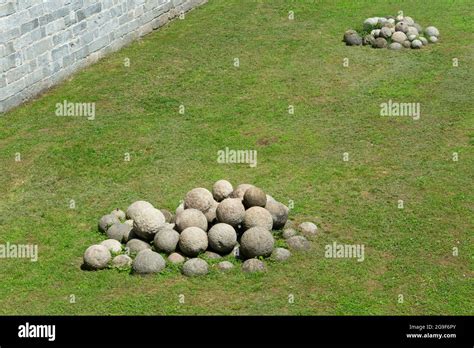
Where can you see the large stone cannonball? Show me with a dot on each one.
(222, 238)
(136, 207)
(106, 221)
(147, 261)
(253, 265)
(193, 241)
(166, 240)
(222, 190)
(258, 217)
(195, 267)
(256, 241)
(254, 197)
(147, 222)
(240, 190)
(231, 211)
(97, 257)
(191, 218)
(198, 198)
(279, 214)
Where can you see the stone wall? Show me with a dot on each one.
(44, 41)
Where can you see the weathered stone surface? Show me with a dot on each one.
(198, 198)
(112, 245)
(166, 240)
(147, 222)
(222, 238)
(119, 231)
(221, 190)
(254, 197)
(255, 242)
(106, 221)
(279, 213)
(225, 265)
(253, 265)
(307, 228)
(136, 245)
(191, 218)
(258, 217)
(195, 267)
(193, 241)
(176, 258)
(121, 261)
(147, 262)
(280, 254)
(298, 243)
(96, 257)
(352, 38)
(231, 211)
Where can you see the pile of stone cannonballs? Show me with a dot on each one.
(393, 32)
(239, 226)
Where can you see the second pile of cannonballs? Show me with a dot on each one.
(393, 32)
(241, 224)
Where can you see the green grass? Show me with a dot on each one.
(407, 251)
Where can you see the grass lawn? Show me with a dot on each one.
(408, 251)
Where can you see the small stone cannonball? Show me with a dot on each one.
(254, 197)
(279, 214)
(136, 207)
(121, 261)
(113, 245)
(166, 240)
(253, 265)
(147, 262)
(198, 198)
(106, 221)
(136, 245)
(222, 190)
(119, 231)
(119, 214)
(191, 218)
(195, 267)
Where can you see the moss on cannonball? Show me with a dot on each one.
(96, 257)
(136, 207)
(258, 217)
(147, 262)
(198, 198)
(191, 218)
(106, 221)
(222, 238)
(240, 190)
(193, 241)
(147, 222)
(231, 211)
(254, 197)
(221, 190)
(279, 213)
(255, 242)
(166, 240)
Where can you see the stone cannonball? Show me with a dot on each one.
(166, 240)
(136, 207)
(253, 265)
(147, 262)
(147, 222)
(256, 241)
(222, 238)
(240, 190)
(254, 197)
(198, 198)
(195, 267)
(191, 218)
(193, 241)
(231, 211)
(258, 217)
(97, 257)
(279, 214)
(106, 221)
(221, 190)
